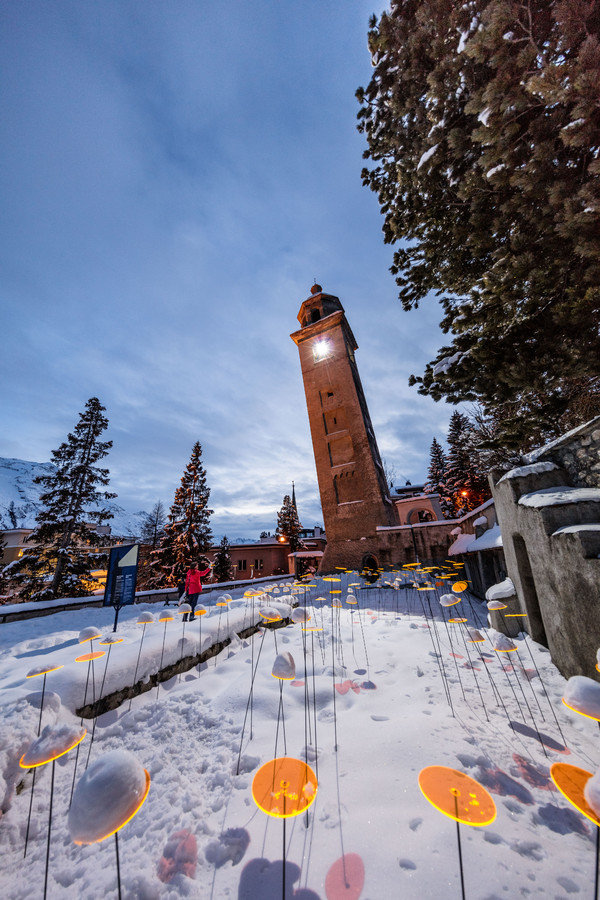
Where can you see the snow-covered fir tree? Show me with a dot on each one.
(61, 559)
(436, 481)
(222, 566)
(187, 536)
(288, 524)
(467, 483)
(483, 130)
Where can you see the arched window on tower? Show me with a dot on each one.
(315, 315)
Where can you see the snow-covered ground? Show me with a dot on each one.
(389, 681)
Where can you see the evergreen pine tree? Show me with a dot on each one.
(59, 564)
(483, 129)
(222, 566)
(187, 534)
(288, 524)
(437, 481)
(467, 484)
(153, 525)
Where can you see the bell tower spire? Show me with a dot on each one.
(352, 484)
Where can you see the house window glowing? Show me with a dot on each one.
(321, 350)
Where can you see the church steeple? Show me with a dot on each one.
(294, 498)
(352, 484)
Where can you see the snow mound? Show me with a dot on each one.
(591, 792)
(284, 667)
(583, 695)
(107, 795)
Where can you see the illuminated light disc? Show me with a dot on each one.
(42, 670)
(284, 787)
(459, 586)
(336, 605)
(354, 584)
(114, 787)
(515, 615)
(270, 615)
(87, 657)
(221, 603)
(426, 588)
(331, 578)
(579, 712)
(496, 604)
(457, 795)
(54, 741)
(200, 612)
(284, 667)
(89, 634)
(457, 621)
(335, 592)
(352, 602)
(571, 782)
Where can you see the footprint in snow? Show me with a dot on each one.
(380, 718)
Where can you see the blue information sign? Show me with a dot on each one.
(121, 576)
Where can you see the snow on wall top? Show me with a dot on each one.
(533, 469)
(554, 496)
(573, 529)
(500, 591)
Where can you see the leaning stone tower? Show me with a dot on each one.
(354, 494)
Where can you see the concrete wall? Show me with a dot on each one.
(556, 572)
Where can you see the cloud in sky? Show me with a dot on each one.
(175, 177)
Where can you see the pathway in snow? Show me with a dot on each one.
(389, 680)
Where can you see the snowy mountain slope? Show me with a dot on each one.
(17, 487)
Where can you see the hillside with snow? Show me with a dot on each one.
(17, 487)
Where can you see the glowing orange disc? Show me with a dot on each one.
(579, 712)
(459, 586)
(54, 741)
(284, 787)
(457, 795)
(270, 615)
(221, 603)
(89, 656)
(43, 670)
(457, 621)
(331, 578)
(571, 781)
(515, 615)
(200, 612)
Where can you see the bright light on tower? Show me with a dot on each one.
(321, 350)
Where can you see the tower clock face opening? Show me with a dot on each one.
(322, 349)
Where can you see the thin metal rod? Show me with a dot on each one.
(49, 831)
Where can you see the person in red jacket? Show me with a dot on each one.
(193, 587)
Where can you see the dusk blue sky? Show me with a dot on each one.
(175, 176)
